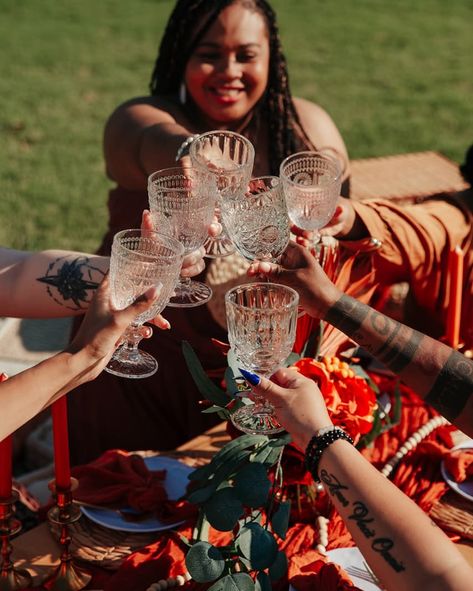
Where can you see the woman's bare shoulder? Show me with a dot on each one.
(321, 129)
(143, 111)
(310, 112)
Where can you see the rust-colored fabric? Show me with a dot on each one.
(460, 464)
(166, 558)
(415, 243)
(418, 475)
(117, 479)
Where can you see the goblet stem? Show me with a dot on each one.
(129, 349)
(257, 418)
(129, 361)
(221, 245)
(315, 244)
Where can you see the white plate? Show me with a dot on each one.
(352, 558)
(175, 484)
(465, 489)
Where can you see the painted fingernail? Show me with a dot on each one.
(250, 377)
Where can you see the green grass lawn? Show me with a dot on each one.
(396, 77)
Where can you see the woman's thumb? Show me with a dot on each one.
(261, 386)
(144, 301)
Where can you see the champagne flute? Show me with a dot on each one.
(230, 157)
(257, 222)
(182, 204)
(261, 319)
(141, 259)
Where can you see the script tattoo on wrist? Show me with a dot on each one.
(334, 486)
(70, 282)
(360, 515)
(453, 386)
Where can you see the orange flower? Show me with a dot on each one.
(350, 400)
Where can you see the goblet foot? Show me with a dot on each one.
(136, 364)
(188, 295)
(256, 419)
(12, 579)
(221, 246)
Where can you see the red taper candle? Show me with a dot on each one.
(6, 454)
(62, 465)
(455, 271)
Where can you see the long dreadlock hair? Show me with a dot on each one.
(188, 23)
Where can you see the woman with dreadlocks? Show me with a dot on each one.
(220, 66)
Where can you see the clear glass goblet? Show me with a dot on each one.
(257, 222)
(230, 157)
(311, 182)
(261, 319)
(182, 204)
(141, 259)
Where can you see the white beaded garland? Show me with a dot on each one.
(322, 523)
(412, 443)
(163, 584)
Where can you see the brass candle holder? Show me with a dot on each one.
(68, 576)
(11, 578)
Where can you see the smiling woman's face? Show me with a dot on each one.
(227, 73)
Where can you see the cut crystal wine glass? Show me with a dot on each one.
(141, 259)
(182, 204)
(311, 182)
(257, 222)
(230, 157)
(261, 319)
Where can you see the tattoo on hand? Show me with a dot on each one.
(69, 283)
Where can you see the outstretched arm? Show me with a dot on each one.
(442, 376)
(56, 283)
(408, 552)
(51, 283)
(27, 393)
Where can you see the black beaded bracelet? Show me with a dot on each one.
(318, 444)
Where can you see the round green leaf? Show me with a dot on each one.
(204, 562)
(279, 567)
(263, 582)
(257, 545)
(223, 509)
(234, 582)
(280, 519)
(252, 485)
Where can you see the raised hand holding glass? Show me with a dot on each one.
(182, 204)
(141, 259)
(257, 222)
(311, 182)
(261, 319)
(229, 157)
